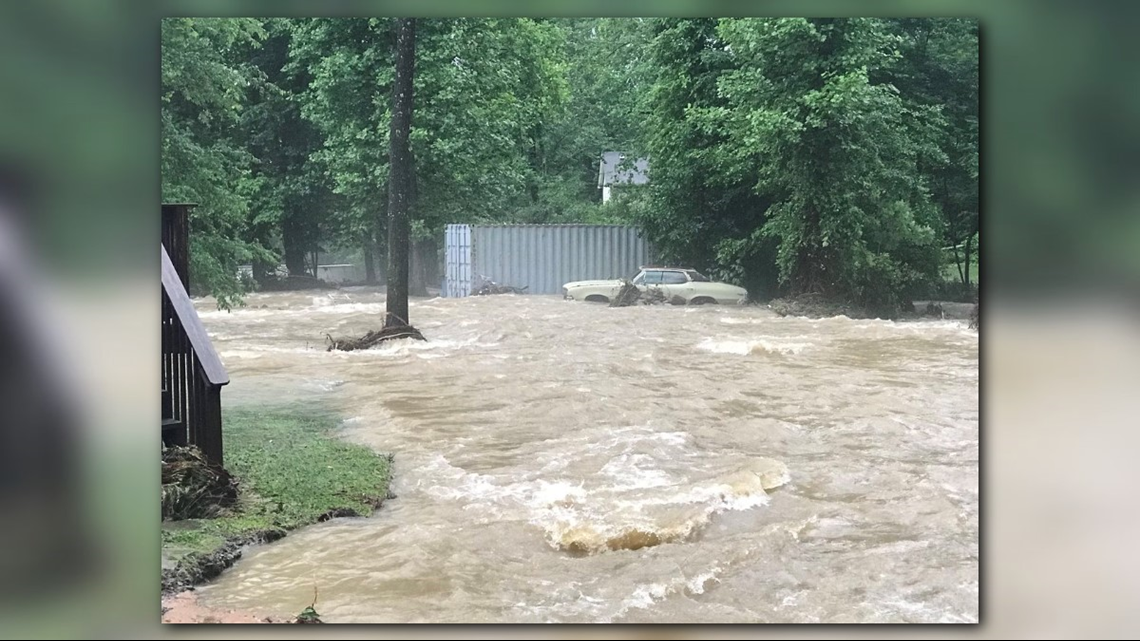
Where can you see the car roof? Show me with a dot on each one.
(679, 269)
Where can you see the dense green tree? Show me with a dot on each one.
(703, 208)
(349, 67)
(938, 68)
(836, 153)
(293, 203)
(204, 92)
(775, 131)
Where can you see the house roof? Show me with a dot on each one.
(616, 169)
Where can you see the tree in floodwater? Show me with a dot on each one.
(400, 174)
(400, 187)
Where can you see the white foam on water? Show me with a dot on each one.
(324, 385)
(646, 595)
(264, 350)
(344, 304)
(697, 584)
(736, 320)
(744, 347)
(635, 471)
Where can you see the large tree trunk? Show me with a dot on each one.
(417, 280)
(263, 272)
(969, 249)
(958, 263)
(369, 260)
(400, 174)
(293, 239)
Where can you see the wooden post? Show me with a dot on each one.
(176, 238)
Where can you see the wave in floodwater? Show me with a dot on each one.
(641, 495)
(577, 526)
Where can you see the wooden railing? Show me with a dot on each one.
(192, 373)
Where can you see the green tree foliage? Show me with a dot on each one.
(703, 209)
(204, 92)
(781, 143)
(938, 68)
(484, 87)
(836, 154)
(289, 212)
(349, 64)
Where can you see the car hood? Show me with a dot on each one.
(593, 283)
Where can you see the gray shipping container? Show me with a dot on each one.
(539, 257)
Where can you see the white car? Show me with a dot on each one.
(680, 286)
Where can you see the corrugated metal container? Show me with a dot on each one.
(540, 257)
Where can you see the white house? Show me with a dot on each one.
(616, 169)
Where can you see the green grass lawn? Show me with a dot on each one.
(292, 470)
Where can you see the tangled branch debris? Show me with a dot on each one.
(192, 487)
(488, 287)
(626, 296)
(935, 310)
(813, 305)
(374, 338)
(397, 329)
(629, 294)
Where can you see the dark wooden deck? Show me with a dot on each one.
(192, 372)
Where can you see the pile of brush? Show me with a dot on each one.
(192, 487)
(487, 287)
(374, 338)
(629, 294)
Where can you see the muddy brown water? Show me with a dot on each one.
(567, 462)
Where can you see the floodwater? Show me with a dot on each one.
(559, 461)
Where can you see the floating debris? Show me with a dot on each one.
(487, 287)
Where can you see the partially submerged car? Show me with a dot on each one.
(678, 285)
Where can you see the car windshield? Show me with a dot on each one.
(698, 277)
(649, 277)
